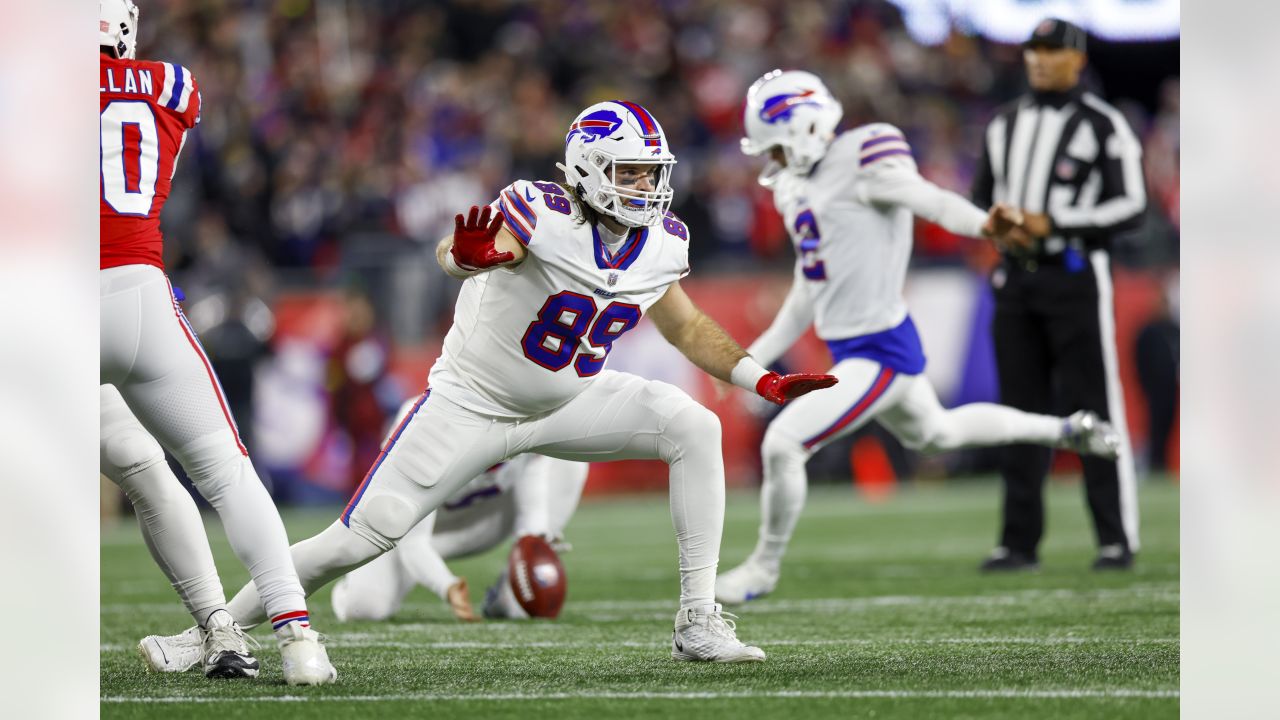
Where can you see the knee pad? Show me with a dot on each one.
(127, 449)
(384, 518)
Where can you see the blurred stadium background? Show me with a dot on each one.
(339, 137)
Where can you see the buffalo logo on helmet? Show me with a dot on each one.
(599, 124)
(779, 107)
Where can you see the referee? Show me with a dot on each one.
(1072, 165)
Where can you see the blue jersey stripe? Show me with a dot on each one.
(178, 82)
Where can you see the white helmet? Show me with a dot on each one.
(792, 110)
(118, 26)
(608, 134)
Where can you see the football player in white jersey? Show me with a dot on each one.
(848, 202)
(527, 495)
(558, 274)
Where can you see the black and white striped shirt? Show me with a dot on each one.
(1068, 155)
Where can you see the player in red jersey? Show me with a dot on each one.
(151, 355)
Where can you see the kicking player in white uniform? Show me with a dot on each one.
(848, 202)
(527, 495)
(150, 354)
(522, 370)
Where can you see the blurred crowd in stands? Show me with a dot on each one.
(332, 118)
(340, 137)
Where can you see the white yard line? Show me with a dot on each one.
(389, 640)
(1153, 591)
(996, 694)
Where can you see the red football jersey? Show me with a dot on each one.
(147, 108)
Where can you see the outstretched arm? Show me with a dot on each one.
(898, 183)
(478, 244)
(795, 316)
(708, 346)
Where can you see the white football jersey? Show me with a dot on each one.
(527, 339)
(852, 253)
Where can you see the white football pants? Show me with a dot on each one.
(170, 522)
(442, 445)
(151, 355)
(529, 495)
(906, 405)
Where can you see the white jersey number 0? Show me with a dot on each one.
(129, 139)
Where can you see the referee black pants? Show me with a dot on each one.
(1055, 357)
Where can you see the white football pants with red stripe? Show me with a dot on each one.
(151, 355)
(170, 521)
(906, 405)
(441, 445)
(539, 498)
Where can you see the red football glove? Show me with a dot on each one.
(473, 247)
(780, 388)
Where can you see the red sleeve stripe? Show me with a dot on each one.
(523, 208)
(167, 85)
(515, 222)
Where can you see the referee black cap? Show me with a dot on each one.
(1056, 33)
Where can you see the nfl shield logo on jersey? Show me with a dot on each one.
(613, 279)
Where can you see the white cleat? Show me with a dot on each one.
(706, 634)
(303, 657)
(226, 651)
(1088, 434)
(748, 581)
(172, 653)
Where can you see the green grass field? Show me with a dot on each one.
(880, 613)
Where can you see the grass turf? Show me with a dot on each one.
(880, 613)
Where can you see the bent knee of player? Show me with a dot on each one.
(214, 463)
(693, 424)
(126, 450)
(928, 438)
(383, 519)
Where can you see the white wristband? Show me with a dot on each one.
(453, 266)
(747, 373)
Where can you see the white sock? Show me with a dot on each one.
(319, 560)
(782, 497)
(697, 501)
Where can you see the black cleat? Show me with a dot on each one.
(226, 648)
(1113, 557)
(1004, 560)
(231, 664)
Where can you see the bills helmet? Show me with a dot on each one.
(792, 110)
(118, 27)
(610, 134)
